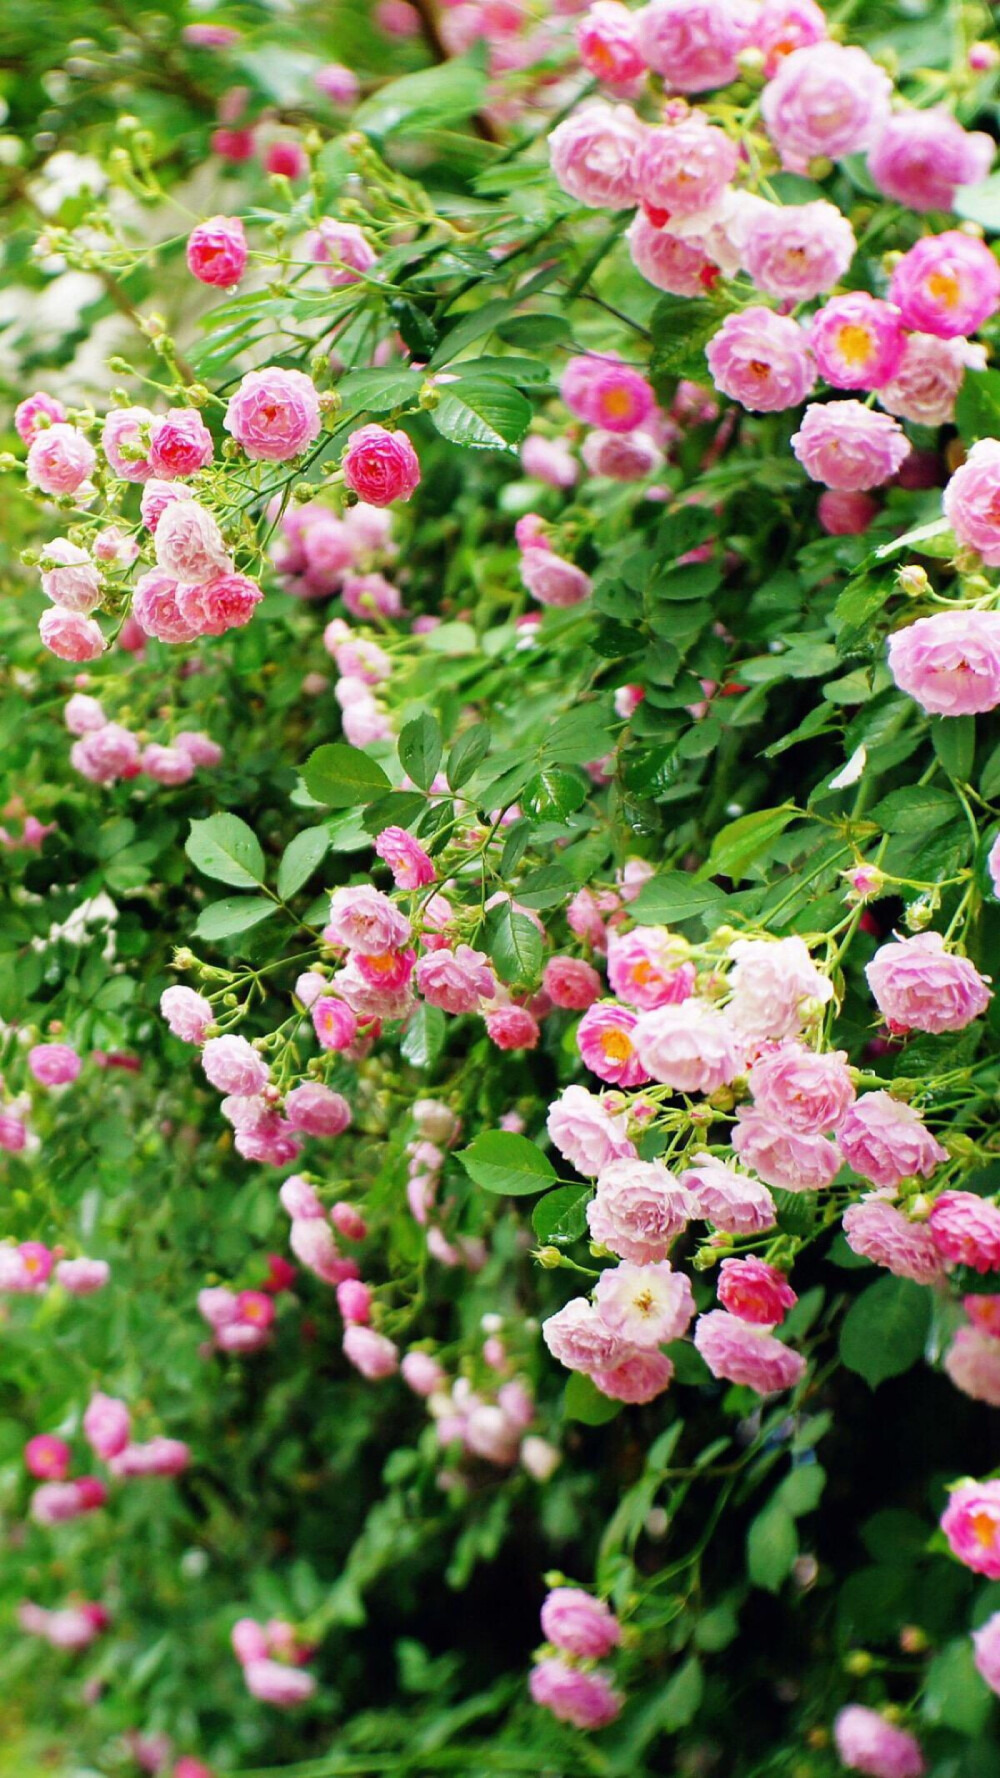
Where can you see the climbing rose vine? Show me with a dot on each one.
(499, 1064)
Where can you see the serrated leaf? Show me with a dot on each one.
(224, 848)
(300, 858)
(484, 414)
(399, 809)
(467, 754)
(772, 1547)
(379, 391)
(915, 809)
(514, 943)
(420, 748)
(237, 913)
(583, 1401)
(954, 739)
(885, 1329)
(561, 1216)
(340, 776)
(554, 793)
(677, 896)
(737, 845)
(506, 1164)
(424, 1037)
(435, 98)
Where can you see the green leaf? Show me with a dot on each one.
(885, 1329)
(378, 391)
(562, 1214)
(955, 1695)
(583, 1401)
(936, 538)
(433, 99)
(954, 739)
(547, 887)
(226, 849)
(801, 1491)
(681, 1696)
(662, 901)
(399, 809)
(536, 332)
(514, 943)
(577, 738)
(238, 913)
(552, 794)
(772, 1546)
(300, 858)
(507, 1164)
(484, 414)
(681, 330)
(467, 754)
(980, 203)
(341, 776)
(425, 1036)
(917, 809)
(977, 408)
(420, 748)
(741, 842)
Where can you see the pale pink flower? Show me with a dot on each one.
(920, 158)
(156, 609)
(694, 44)
(693, 1048)
(629, 457)
(883, 1234)
(683, 167)
(920, 986)
(986, 1642)
(60, 460)
(317, 1110)
(645, 1305)
(730, 1200)
(781, 26)
(180, 443)
(579, 1338)
(972, 508)
(227, 601)
(168, 765)
(337, 83)
(795, 252)
(456, 980)
(233, 1066)
(334, 1023)
(422, 1373)
(82, 1276)
(608, 44)
(806, 1090)
(585, 1698)
(550, 459)
(342, 249)
(845, 445)
(762, 360)
(772, 983)
(946, 284)
(274, 414)
(783, 1157)
(966, 1230)
(155, 1457)
(648, 967)
(312, 1241)
(972, 1361)
(70, 635)
(740, 1352)
(275, 1683)
(825, 101)
(606, 393)
(216, 251)
(866, 1742)
(69, 577)
(363, 919)
(886, 1141)
(579, 1624)
(125, 442)
(199, 748)
(858, 341)
(54, 1064)
(755, 1291)
(189, 545)
(950, 663)
(593, 155)
(35, 413)
(157, 495)
(971, 1523)
(380, 466)
(107, 1426)
(587, 1131)
(370, 1352)
(638, 1210)
(681, 266)
(512, 1028)
(83, 715)
(299, 1200)
(925, 385)
(47, 1458)
(552, 580)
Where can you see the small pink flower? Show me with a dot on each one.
(886, 1141)
(224, 602)
(593, 153)
(606, 393)
(579, 1624)
(986, 1642)
(107, 1426)
(680, 265)
(47, 1458)
(865, 1742)
(380, 466)
(216, 251)
(638, 1210)
(370, 1353)
(922, 157)
(737, 1351)
(762, 360)
(167, 765)
(70, 635)
(607, 40)
(730, 1200)
(54, 1064)
(552, 580)
(623, 457)
(233, 1066)
(781, 26)
(156, 608)
(587, 1132)
(354, 1300)
(795, 252)
(548, 459)
(512, 1028)
(342, 249)
(275, 1683)
(83, 715)
(808, 1092)
(783, 1157)
(882, 1233)
(456, 980)
(825, 101)
(363, 919)
(693, 43)
(858, 342)
(35, 413)
(69, 577)
(579, 1337)
(125, 442)
(180, 443)
(337, 83)
(692, 1048)
(410, 865)
(605, 1039)
(966, 1230)
(157, 495)
(316, 1110)
(848, 446)
(83, 1276)
(972, 508)
(971, 1523)
(155, 1457)
(189, 544)
(638, 1377)
(920, 986)
(754, 1291)
(198, 747)
(286, 157)
(422, 1373)
(60, 459)
(571, 983)
(274, 414)
(972, 1362)
(925, 386)
(645, 1305)
(946, 284)
(648, 967)
(683, 168)
(585, 1698)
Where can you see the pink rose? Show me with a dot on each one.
(233, 1066)
(806, 1091)
(593, 153)
(370, 1353)
(125, 442)
(216, 251)
(762, 360)
(825, 101)
(972, 508)
(796, 252)
(274, 414)
(883, 1234)
(69, 577)
(693, 43)
(587, 1132)
(966, 1230)
(584, 1698)
(730, 1200)
(858, 342)
(35, 413)
(411, 866)
(638, 1210)
(70, 635)
(380, 466)
(316, 1110)
(692, 1048)
(920, 986)
(363, 919)
(927, 381)
(54, 1064)
(606, 393)
(920, 159)
(971, 1523)
(783, 1157)
(189, 544)
(865, 1742)
(946, 284)
(738, 1351)
(683, 168)
(645, 1305)
(886, 1141)
(755, 1291)
(156, 608)
(342, 249)
(551, 579)
(60, 460)
(607, 40)
(456, 980)
(579, 1624)
(106, 1426)
(225, 601)
(848, 446)
(180, 443)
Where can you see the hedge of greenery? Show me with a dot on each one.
(500, 650)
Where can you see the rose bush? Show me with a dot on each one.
(500, 658)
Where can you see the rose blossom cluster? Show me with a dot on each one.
(318, 553)
(107, 1428)
(71, 1627)
(579, 1630)
(273, 1656)
(488, 1421)
(30, 1267)
(241, 1321)
(106, 752)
